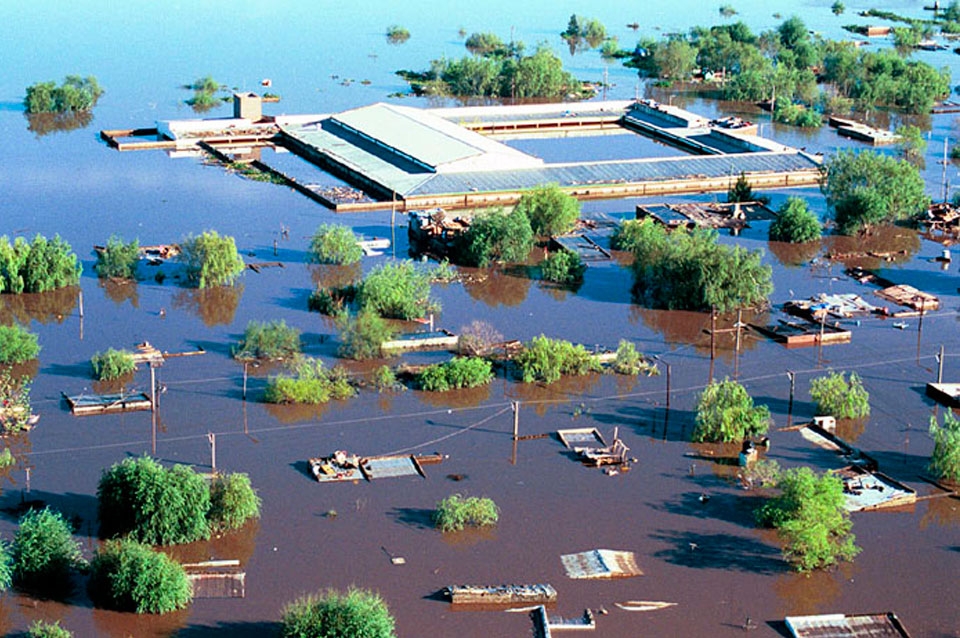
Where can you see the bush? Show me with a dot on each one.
(945, 461)
(233, 501)
(210, 260)
(152, 504)
(118, 259)
(563, 267)
(689, 270)
(331, 300)
(397, 34)
(15, 403)
(397, 290)
(795, 223)
(17, 345)
(361, 336)
(549, 209)
(384, 378)
(478, 337)
(39, 266)
(273, 340)
(41, 629)
(75, 94)
(6, 566)
(309, 382)
(112, 364)
(811, 518)
(331, 614)
(457, 512)
(495, 236)
(726, 413)
(629, 361)
(334, 244)
(131, 576)
(741, 191)
(836, 396)
(44, 551)
(545, 359)
(460, 372)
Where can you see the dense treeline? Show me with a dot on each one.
(39, 266)
(784, 63)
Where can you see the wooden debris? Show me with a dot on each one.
(260, 265)
(501, 594)
(86, 404)
(341, 466)
(910, 297)
(644, 605)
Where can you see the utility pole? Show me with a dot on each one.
(516, 420)
(213, 450)
(940, 365)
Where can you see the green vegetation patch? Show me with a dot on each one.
(17, 344)
(563, 267)
(233, 501)
(545, 359)
(15, 410)
(334, 244)
(331, 614)
(210, 259)
(550, 210)
(118, 259)
(268, 341)
(945, 461)
(726, 413)
(460, 372)
(840, 396)
(397, 290)
(457, 512)
(495, 236)
(131, 576)
(795, 223)
(112, 364)
(42, 629)
(44, 552)
(310, 382)
(362, 335)
(39, 266)
(74, 94)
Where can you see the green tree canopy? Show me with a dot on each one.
(233, 501)
(334, 244)
(118, 259)
(495, 236)
(726, 413)
(131, 576)
(945, 461)
(795, 223)
(550, 210)
(840, 396)
(331, 614)
(810, 516)
(545, 359)
(866, 188)
(211, 259)
(17, 344)
(44, 551)
(397, 290)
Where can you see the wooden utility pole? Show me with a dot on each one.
(668, 384)
(516, 420)
(244, 380)
(713, 333)
(940, 365)
(213, 450)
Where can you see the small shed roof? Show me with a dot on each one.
(601, 563)
(846, 626)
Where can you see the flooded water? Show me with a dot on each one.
(57, 177)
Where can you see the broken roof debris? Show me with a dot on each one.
(601, 563)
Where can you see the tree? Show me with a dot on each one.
(397, 290)
(131, 576)
(550, 210)
(140, 498)
(6, 566)
(726, 413)
(456, 512)
(39, 266)
(41, 629)
(912, 145)
(811, 518)
(44, 551)
(563, 267)
(334, 244)
(867, 188)
(839, 397)
(362, 335)
(268, 341)
(17, 344)
(544, 359)
(485, 44)
(210, 259)
(397, 34)
(308, 381)
(741, 191)
(838, 7)
(118, 259)
(945, 461)
(331, 614)
(631, 362)
(675, 59)
(74, 94)
(795, 223)
(112, 364)
(233, 501)
(495, 236)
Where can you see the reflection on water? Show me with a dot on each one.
(45, 123)
(882, 245)
(942, 511)
(120, 290)
(237, 544)
(42, 307)
(113, 386)
(851, 429)
(804, 594)
(333, 276)
(297, 412)
(469, 537)
(794, 255)
(693, 328)
(123, 625)
(494, 287)
(26, 369)
(20, 446)
(462, 398)
(544, 396)
(215, 306)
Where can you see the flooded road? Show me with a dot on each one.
(708, 557)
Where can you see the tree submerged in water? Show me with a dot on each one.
(74, 94)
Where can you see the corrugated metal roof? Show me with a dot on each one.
(601, 563)
(844, 626)
(614, 172)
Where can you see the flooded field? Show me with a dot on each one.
(705, 554)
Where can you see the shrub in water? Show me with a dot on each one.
(37, 267)
(17, 345)
(272, 340)
(397, 290)
(331, 614)
(361, 336)
(118, 259)
(131, 576)
(725, 413)
(945, 461)
(837, 396)
(629, 361)
(44, 551)
(334, 244)
(309, 382)
(550, 210)
(495, 236)
(233, 501)
(795, 223)
(210, 260)
(15, 400)
(563, 267)
(112, 364)
(461, 372)
(41, 629)
(545, 359)
(456, 512)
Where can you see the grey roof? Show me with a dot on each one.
(614, 172)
